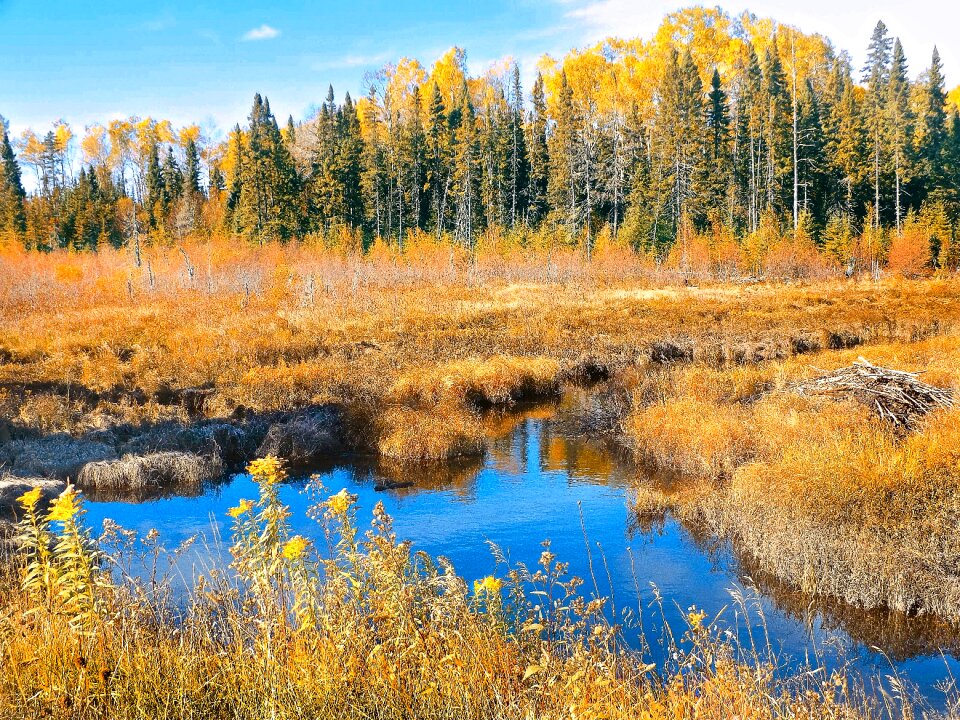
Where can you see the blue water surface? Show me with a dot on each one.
(538, 481)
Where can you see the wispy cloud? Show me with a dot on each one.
(159, 24)
(210, 36)
(623, 18)
(264, 32)
(350, 61)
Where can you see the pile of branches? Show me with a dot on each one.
(898, 397)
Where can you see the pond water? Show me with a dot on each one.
(539, 481)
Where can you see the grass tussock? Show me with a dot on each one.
(441, 434)
(369, 628)
(144, 474)
(824, 494)
(492, 382)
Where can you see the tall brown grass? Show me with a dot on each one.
(820, 493)
(94, 341)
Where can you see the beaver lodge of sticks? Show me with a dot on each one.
(899, 397)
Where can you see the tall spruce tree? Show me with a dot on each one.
(538, 201)
(876, 75)
(191, 173)
(519, 162)
(933, 132)
(156, 188)
(349, 162)
(900, 128)
(13, 217)
(719, 152)
(748, 142)
(466, 174)
(778, 127)
(267, 203)
(561, 144)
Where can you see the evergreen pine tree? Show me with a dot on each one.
(537, 200)
(13, 217)
(561, 144)
(191, 174)
(748, 142)
(519, 162)
(156, 188)
(778, 126)
(466, 175)
(932, 130)
(719, 155)
(876, 74)
(846, 144)
(812, 163)
(267, 207)
(411, 178)
(899, 127)
(437, 171)
(349, 162)
(172, 179)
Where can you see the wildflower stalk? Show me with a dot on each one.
(34, 536)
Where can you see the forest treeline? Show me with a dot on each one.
(734, 129)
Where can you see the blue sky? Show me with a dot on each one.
(202, 61)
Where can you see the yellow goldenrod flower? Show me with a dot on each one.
(695, 618)
(295, 547)
(489, 585)
(64, 507)
(244, 507)
(339, 504)
(268, 470)
(30, 498)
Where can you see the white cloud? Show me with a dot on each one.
(159, 24)
(264, 32)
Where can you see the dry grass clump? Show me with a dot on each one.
(690, 436)
(305, 438)
(443, 433)
(822, 493)
(497, 381)
(862, 515)
(141, 474)
(369, 628)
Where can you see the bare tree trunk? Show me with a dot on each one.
(899, 228)
(796, 177)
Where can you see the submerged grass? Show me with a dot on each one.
(364, 628)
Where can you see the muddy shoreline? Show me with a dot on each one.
(144, 461)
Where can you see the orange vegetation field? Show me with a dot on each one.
(92, 341)
(696, 380)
